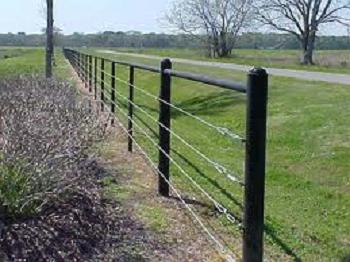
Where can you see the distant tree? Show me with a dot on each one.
(219, 20)
(49, 38)
(303, 19)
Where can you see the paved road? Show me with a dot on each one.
(299, 74)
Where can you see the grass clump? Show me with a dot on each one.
(14, 201)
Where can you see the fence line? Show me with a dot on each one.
(222, 130)
(221, 169)
(217, 205)
(220, 247)
(255, 140)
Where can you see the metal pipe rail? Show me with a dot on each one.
(91, 70)
(223, 83)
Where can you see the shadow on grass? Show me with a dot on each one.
(199, 106)
(195, 168)
(271, 232)
(346, 258)
(204, 105)
(209, 104)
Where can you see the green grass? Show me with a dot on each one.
(154, 217)
(332, 61)
(307, 184)
(29, 61)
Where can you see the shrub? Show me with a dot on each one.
(46, 129)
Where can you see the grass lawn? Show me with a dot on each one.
(332, 61)
(29, 61)
(307, 186)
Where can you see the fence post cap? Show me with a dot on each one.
(258, 71)
(166, 63)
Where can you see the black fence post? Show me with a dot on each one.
(79, 64)
(90, 73)
(253, 221)
(86, 71)
(82, 67)
(113, 86)
(102, 83)
(164, 126)
(131, 107)
(95, 77)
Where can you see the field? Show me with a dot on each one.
(307, 187)
(333, 61)
(15, 61)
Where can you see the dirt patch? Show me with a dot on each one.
(133, 182)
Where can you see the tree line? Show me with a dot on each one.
(222, 21)
(153, 40)
(219, 26)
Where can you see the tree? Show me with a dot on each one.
(303, 19)
(217, 22)
(49, 38)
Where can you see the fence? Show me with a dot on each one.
(88, 67)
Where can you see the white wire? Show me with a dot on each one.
(221, 169)
(221, 248)
(217, 205)
(222, 130)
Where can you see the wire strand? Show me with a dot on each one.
(217, 205)
(221, 248)
(220, 168)
(222, 130)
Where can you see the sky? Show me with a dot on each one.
(84, 15)
(90, 16)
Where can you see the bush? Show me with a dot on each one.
(46, 129)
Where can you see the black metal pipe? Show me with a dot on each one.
(224, 83)
(79, 65)
(255, 166)
(90, 73)
(113, 86)
(102, 84)
(131, 107)
(164, 126)
(95, 78)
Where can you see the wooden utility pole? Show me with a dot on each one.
(49, 38)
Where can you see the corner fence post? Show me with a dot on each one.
(253, 220)
(131, 107)
(90, 73)
(164, 126)
(113, 86)
(102, 83)
(95, 78)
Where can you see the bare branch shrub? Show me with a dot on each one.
(45, 132)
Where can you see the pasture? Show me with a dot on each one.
(307, 210)
(307, 186)
(332, 61)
